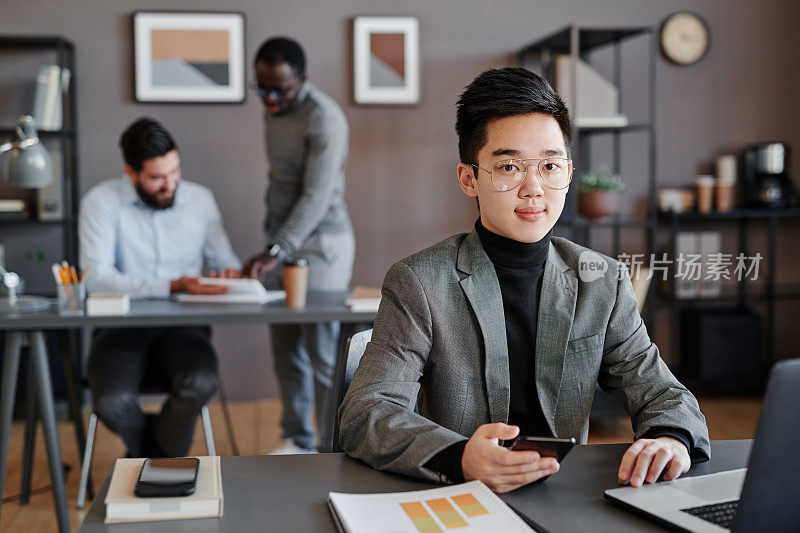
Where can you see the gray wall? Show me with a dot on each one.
(402, 187)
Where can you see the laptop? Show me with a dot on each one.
(765, 496)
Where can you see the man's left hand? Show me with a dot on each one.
(645, 459)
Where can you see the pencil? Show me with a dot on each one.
(56, 273)
(64, 277)
(73, 274)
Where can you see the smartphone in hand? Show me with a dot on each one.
(167, 477)
(546, 446)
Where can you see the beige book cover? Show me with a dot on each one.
(108, 304)
(122, 505)
(364, 299)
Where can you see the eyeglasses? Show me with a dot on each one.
(274, 94)
(507, 175)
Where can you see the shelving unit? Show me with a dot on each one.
(772, 292)
(32, 245)
(579, 41)
(32, 230)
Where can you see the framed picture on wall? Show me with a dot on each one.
(386, 60)
(189, 56)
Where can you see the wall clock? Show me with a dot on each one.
(684, 38)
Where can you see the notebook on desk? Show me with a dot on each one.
(762, 497)
(364, 299)
(122, 505)
(468, 507)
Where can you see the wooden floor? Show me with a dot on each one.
(256, 429)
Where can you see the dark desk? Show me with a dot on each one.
(289, 493)
(321, 307)
(29, 328)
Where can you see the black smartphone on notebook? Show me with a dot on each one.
(167, 477)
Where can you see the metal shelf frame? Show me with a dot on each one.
(578, 40)
(66, 138)
(773, 291)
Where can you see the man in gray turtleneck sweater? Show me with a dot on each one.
(307, 142)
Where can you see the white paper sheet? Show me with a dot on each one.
(240, 291)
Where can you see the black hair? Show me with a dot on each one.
(282, 49)
(499, 93)
(145, 139)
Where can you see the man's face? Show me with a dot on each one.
(279, 86)
(158, 179)
(527, 213)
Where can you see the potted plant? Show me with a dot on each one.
(598, 194)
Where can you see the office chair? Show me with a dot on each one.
(356, 345)
(150, 386)
(605, 405)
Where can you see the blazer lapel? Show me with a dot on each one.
(483, 292)
(556, 313)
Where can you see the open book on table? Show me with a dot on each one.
(240, 291)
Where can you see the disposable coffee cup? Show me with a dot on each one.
(295, 282)
(726, 168)
(704, 185)
(725, 193)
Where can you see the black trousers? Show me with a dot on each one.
(179, 361)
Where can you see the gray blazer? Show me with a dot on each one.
(440, 342)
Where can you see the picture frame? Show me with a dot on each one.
(386, 60)
(189, 56)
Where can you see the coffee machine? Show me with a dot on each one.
(767, 182)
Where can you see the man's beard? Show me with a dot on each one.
(152, 200)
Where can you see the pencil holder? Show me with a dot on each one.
(72, 298)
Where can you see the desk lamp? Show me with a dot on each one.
(28, 167)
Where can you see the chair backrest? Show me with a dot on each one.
(354, 349)
(641, 284)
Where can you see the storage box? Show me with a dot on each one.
(721, 346)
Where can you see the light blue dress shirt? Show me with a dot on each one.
(127, 246)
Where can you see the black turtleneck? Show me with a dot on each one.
(520, 269)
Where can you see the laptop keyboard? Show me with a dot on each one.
(721, 514)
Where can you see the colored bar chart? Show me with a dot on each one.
(446, 513)
(465, 508)
(470, 505)
(422, 520)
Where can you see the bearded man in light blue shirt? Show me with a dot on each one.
(149, 234)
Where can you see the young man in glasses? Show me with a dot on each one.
(494, 334)
(307, 144)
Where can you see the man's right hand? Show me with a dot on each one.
(500, 468)
(258, 265)
(193, 286)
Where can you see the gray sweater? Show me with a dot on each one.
(307, 151)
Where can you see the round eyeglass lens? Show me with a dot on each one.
(507, 175)
(556, 173)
